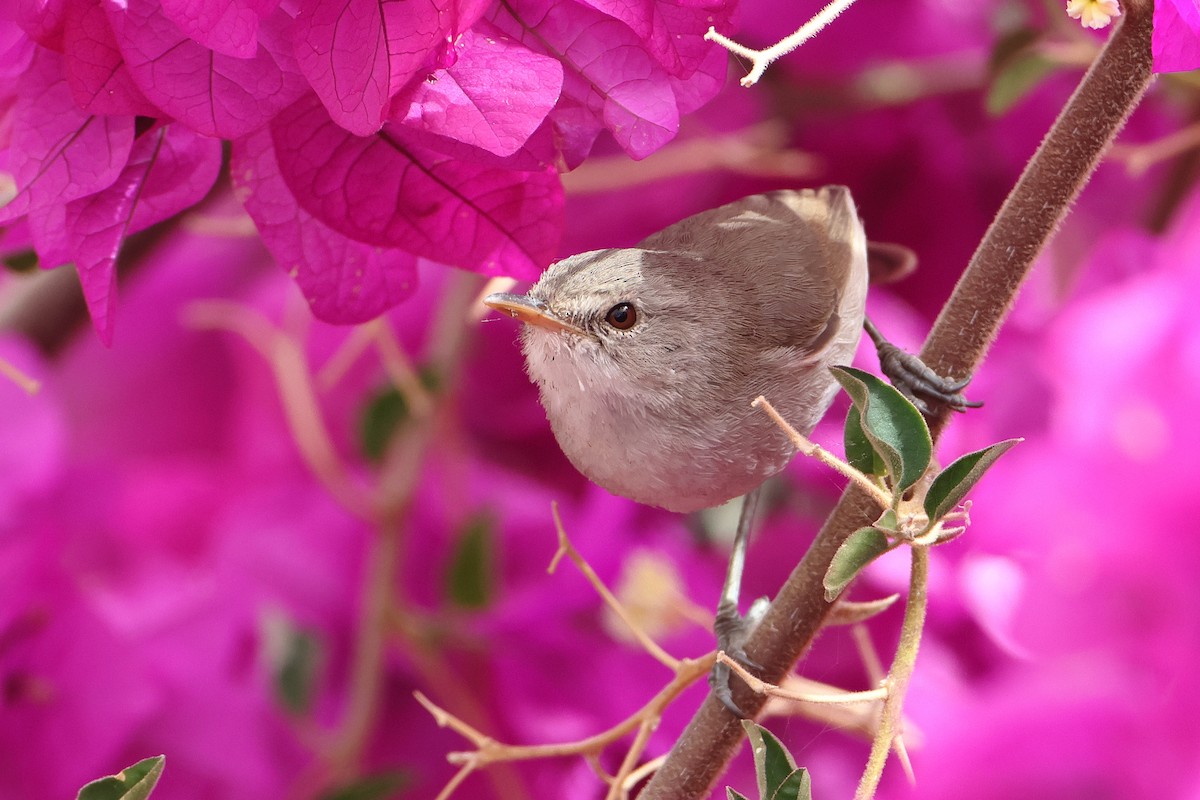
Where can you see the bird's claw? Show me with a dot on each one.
(732, 630)
(915, 380)
(920, 384)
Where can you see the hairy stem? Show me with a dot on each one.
(898, 676)
(957, 344)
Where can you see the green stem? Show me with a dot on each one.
(900, 673)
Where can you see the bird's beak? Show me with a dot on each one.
(531, 312)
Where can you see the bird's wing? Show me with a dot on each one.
(788, 259)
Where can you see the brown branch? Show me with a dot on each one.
(957, 344)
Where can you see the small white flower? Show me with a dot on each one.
(1094, 13)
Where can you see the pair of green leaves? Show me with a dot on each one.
(886, 436)
(778, 776)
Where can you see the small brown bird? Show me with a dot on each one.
(647, 358)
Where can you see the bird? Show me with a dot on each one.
(647, 358)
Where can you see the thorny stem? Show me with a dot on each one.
(1052, 180)
(902, 669)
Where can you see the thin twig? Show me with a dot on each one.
(296, 391)
(566, 548)
(762, 58)
(760, 150)
(630, 762)
(813, 450)
(847, 612)
(455, 782)
(834, 698)
(489, 750)
(640, 774)
(1142, 156)
(399, 369)
(348, 352)
(367, 665)
(26, 383)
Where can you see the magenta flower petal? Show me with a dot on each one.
(169, 169)
(386, 191)
(563, 141)
(229, 27)
(210, 92)
(357, 54)
(16, 50)
(59, 153)
(703, 84)
(41, 19)
(542, 149)
(609, 74)
(672, 32)
(343, 280)
(1175, 44)
(494, 96)
(96, 72)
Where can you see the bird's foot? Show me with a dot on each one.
(915, 380)
(732, 630)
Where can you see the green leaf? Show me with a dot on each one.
(385, 413)
(892, 424)
(773, 764)
(21, 261)
(297, 677)
(1018, 38)
(952, 484)
(380, 420)
(887, 521)
(797, 786)
(295, 656)
(860, 548)
(371, 787)
(733, 794)
(859, 452)
(469, 578)
(131, 783)
(1016, 79)
(1015, 68)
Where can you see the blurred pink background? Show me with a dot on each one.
(168, 554)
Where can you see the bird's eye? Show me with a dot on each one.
(622, 316)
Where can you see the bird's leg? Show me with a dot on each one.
(731, 628)
(915, 379)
